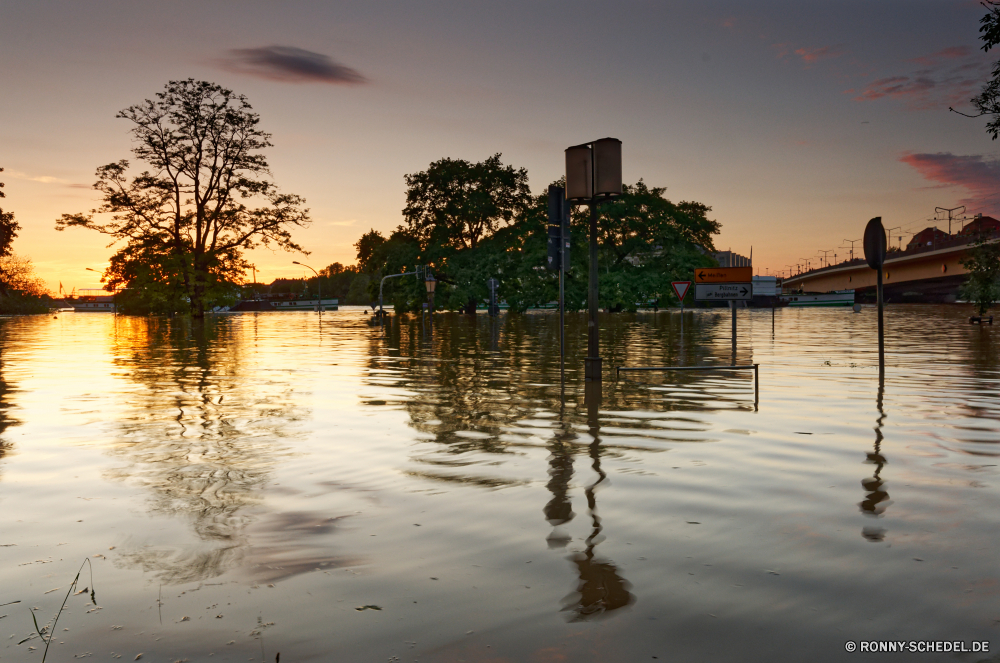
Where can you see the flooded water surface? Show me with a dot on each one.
(330, 490)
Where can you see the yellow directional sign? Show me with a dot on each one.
(723, 275)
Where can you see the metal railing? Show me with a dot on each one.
(747, 367)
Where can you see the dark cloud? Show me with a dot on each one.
(976, 173)
(949, 77)
(289, 65)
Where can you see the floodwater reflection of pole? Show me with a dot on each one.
(876, 498)
(601, 588)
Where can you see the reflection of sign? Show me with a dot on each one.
(680, 288)
(723, 275)
(723, 291)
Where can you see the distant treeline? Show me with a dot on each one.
(348, 284)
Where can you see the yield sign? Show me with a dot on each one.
(680, 288)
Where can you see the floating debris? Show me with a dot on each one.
(368, 607)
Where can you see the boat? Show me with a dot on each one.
(305, 304)
(286, 303)
(836, 298)
(103, 303)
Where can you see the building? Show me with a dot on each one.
(730, 259)
(981, 225)
(928, 237)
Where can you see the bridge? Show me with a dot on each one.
(926, 273)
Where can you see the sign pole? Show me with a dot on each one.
(881, 326)
(562, 296)
(732, 305)
(875, 249)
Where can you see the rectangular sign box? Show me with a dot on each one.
(723, 291)
(723, 275)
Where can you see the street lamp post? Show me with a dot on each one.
(319, 285)
(431, 284)
(114, 293)
(593, 175)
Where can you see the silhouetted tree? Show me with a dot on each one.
(455, 203)
(8, 227)
(987, 102)
(209, 196)
(367, 246)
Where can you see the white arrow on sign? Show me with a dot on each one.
(723, 291)
(680, 288)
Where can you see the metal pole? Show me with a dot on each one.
(732, 305)
(562, 314)
(592, 365)
(881, 326)
(319, 286)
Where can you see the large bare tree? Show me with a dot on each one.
(207, 196)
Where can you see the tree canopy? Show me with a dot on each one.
(206, 198)
(645, 241)
(455, 204)
(987, 102)
(8, 227)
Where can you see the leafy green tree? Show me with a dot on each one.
(982, 287)
(455, 204)
(367, 246)
(644, 242)
(147, 278)
(400, 253)
(23, 291)
(208, 197)
(451, 208)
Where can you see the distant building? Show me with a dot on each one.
(985, 225)
(730, 259)
(927, 237)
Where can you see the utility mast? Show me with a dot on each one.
(950, 217)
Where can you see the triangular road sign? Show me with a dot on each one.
(680, 288)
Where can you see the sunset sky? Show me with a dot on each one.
(795, 121)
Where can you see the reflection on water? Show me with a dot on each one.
(5, 421)
(601, 588)
(201, 433)
(433, 489)
(876, 498)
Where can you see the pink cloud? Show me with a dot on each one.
(896, 87)
(806, 54)
(975, 173)
(810, 55)
(949, 53)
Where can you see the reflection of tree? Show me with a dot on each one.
(200, 436)
(601, 589)
(5, 420)
(480, 374)
(876, 499)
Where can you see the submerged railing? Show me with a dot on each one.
(747, 367)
